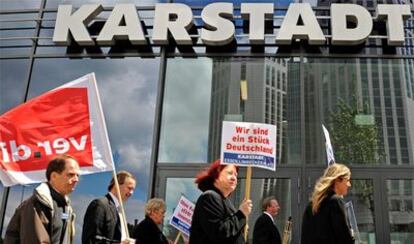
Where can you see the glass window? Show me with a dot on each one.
(12, 88)
(356, 133)
(12, 83)
(400, 210)
(16, 196)
(16, 33)
(128, 94)
(21, 4)
(260, 189)
(185, 119)
(177, 187)
(208, 92)
(362, 196)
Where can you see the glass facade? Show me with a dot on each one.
(297, 95)
(400, 198)
(164, 107)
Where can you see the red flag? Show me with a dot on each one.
(66, 120)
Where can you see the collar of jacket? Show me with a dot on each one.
(42, 193)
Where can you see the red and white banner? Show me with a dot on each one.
(66, 120)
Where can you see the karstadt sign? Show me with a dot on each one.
(124, 23)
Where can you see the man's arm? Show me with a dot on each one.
(93, 222)
(29, 224)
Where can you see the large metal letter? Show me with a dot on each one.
(340, 14)
(218, 29)
(310, 29)
(395, 15)
(75, 23)
(174, 17)
(256, 13)
(131, 30)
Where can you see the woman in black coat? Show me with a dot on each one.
(215, 219)
(325, 220)
(147, 231)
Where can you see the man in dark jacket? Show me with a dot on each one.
(265, 230)
(47, 217)
(102, 222)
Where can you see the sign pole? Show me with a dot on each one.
(178, 237)
(247, 196)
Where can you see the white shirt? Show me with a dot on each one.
(270, 216)
(117, 205)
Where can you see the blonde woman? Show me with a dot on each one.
(148, 231)
(324, 220)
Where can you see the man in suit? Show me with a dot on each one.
(265, 230)
(102, 222)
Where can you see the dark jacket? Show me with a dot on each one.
(33, 220)
(329, 225)
(101, 220)
(215, 220)
(265, 231)
(147, 232)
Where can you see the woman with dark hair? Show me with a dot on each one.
(324, 220)
(215, 219)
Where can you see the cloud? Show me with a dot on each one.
(177, 187)
(184, 131)
(136, 159)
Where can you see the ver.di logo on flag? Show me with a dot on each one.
(66, 120)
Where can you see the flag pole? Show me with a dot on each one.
(118, 193)
(3, 207)
(247, 196)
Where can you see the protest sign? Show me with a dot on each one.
(249, 144)
(182, 216)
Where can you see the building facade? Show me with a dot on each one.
(164, 104)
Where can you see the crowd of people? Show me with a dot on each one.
(47, 216)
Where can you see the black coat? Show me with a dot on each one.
(215, 220)
(265, 231)
(329, 225)
(147, 232)
(101, 219)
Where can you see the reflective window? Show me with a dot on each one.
(400, 197)
(315, 91)
(16, 33)
(12, 83)
(12, 88)
(260, 189)
(16, 196)
(362, 196)
(185, 118)
(128, 92)
(21, 4)
(177, 187)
